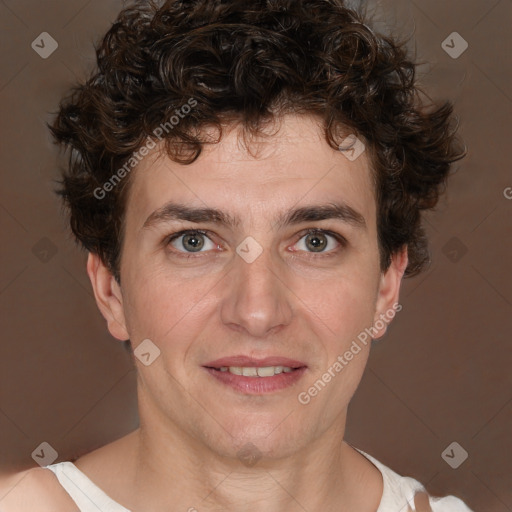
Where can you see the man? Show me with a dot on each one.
(248, 180)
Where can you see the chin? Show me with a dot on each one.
(260, 437)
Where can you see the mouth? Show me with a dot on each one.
(252, 376)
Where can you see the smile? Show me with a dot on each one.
(253, 371)
(256, 380)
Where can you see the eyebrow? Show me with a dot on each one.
(175, 211)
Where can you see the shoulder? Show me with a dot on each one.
(401, 491)
(411, 491)
(34, 489)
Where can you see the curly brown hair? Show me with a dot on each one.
(250, 62)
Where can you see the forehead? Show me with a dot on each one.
(254, 179)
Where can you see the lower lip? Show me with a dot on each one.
(258, 385)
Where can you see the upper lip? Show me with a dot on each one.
(255, 362)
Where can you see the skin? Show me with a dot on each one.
(290, 302)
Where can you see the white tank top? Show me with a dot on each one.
(84, 492)
(398, 491)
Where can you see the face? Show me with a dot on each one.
(264, 263)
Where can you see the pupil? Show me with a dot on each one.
(193, 242)
(316, 241)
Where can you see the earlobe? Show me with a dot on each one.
(389, 292)
(108, 296)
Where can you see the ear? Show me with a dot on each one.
(108, 296)
(389, 291)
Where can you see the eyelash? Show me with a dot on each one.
(312, 231)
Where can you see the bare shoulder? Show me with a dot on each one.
(34, 489)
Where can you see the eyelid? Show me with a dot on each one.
(323, 231)
(177, 234)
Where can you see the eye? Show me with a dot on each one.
(319, 241)
(197, 241)
(191, 241)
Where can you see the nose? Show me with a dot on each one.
(256, 299)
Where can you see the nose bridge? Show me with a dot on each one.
(256, 297)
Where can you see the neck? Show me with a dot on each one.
(170, 468)
(165, 463)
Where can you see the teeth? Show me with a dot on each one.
(266, 371)
(248, 371)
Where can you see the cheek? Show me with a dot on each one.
(342, 304)
(165, 309)
(339, 315)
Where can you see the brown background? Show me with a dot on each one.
(441, 373)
